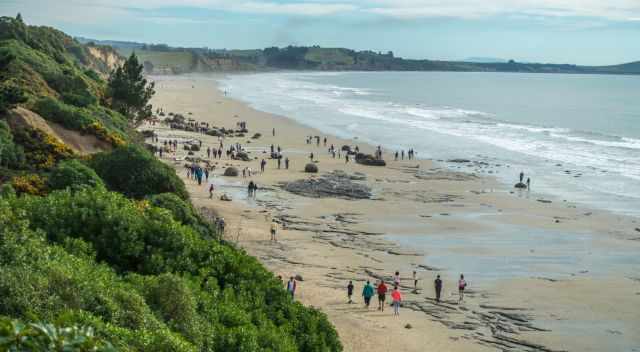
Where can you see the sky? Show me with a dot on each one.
(588, 32)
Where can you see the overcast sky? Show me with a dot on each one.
(560, 31)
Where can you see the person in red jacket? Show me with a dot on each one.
(397, 298)
(382, 295)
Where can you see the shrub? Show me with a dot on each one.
(136, 173)
(181, 210)
(311, 168)
(11, 155)
(29, 184)
(17, 336)
(73, 174)
(41, 150)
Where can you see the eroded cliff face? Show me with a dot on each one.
(104, 59)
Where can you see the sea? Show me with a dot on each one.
(577, 137)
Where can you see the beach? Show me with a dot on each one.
(560, 286)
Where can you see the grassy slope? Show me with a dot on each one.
(180, 60)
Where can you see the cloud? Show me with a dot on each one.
(619, 10)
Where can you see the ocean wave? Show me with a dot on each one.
(320, 103)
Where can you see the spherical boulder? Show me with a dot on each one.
(311, 168)
(231, 171)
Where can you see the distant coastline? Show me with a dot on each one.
(162, 59)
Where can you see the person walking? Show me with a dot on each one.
(382, 295)
(211, 192)
(396, 279)
(350, 291)
(437, 284)
(462, 284)
(367, 293)
(396, 296)
(415, 281)
(263, 163)
(291, 287)
(274, 230)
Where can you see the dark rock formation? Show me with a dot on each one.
(520, 185)
(231, 171)
(311, 168)
(335, 184)
(370, 160)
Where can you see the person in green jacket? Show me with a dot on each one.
(367, 293)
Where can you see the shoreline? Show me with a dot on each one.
(310, 240)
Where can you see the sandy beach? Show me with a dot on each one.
(421, 217)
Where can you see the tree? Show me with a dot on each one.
(19, 18)
(130, 92)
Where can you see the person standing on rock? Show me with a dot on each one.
(396, 296)
(521, 176)
(367, 293)
(382, 295)
(291, 287)
(437, 284)
(274, 230)
(462, 284)
(350, 291)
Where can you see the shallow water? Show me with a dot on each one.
(510, 251)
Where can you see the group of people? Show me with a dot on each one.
(381, 289)
(411, 154)
(197, 172)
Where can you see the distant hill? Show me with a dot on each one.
(162, 59)
(493, 60)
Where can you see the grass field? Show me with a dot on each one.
(182, 60)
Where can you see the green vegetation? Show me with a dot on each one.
(107, 247)
(129, 91)
(17, 336)
(177, 61)
(73, 174)
(133, 171)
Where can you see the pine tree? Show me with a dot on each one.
(130, 92)
(19, 18)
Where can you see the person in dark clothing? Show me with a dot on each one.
(438, 286)
(521, 176)
(350, 291)
(528, 183)
(286, 163)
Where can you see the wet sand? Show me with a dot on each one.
(567, 295)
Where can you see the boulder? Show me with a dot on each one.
(231, 171)
(311, 168)
(298, 277)
(257, 135)
(243, 156)
(520, 185)
(459, 161)
(346, 148)
(214, 133)
(225, 197)
(370, 160)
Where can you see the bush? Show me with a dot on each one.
(17, 336)
(29, 184)
(311, 168)
(222, 299)
(73, 174)
(181, 210)
(136, 173)
(11, 155)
